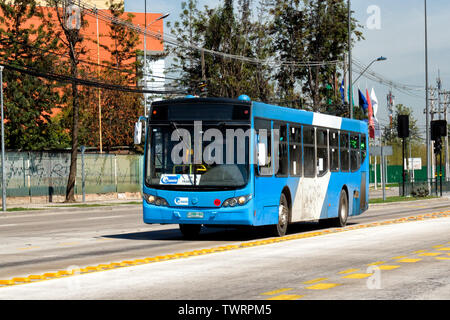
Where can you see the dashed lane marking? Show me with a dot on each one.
(315, 280)
(271, 293)
(376, 263)
(358, 276)
(409, 260)
(442, 258)
(348, 271)
(444, 249)
(430, 254)
(387, 267)
(46, 276)
(323, 286)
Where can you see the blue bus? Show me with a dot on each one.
(235, 162)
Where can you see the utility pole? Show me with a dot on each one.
(427, 117)
(350, 103)
(3, 144)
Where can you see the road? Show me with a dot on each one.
(315, 264)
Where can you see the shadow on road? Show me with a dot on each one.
(240, 233)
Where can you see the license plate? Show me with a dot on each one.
(195, 215)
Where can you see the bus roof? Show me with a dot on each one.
(274, 112)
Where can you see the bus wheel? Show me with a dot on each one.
(341, 220)
(190, 231)
(279, 230)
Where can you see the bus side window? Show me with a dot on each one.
(264, 134)
(309, 165)
(354, 152)
(322, 152)
(345, 152)
(295, 151)
(283, 161)
(363, 148)
(334, 150)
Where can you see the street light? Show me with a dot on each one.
(376, 60)
(163, 16)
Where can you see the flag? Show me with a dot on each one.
(370, 116)
(342, 90)
(374, 102)
(362, 101)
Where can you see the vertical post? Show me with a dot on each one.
(145, 57)
(427, 113)
(403, 162)
(350, 103)
(99, 97)
(83, 180)
(383, 184)
(440, 171)
(3, 145)
(375, 173)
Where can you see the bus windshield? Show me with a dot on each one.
(193, 156)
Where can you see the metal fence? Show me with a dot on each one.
(45, 174)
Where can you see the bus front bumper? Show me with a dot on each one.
(239, 215)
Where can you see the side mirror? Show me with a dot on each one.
(262, 153)
(138, 132)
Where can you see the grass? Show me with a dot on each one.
(22, 209)
(399, 199)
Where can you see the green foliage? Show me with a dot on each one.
(29, 100)
(228, 29)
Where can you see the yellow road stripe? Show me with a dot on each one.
(386, 267)
(409, 260)
(348, 271)
(271, 293)
(376, 263)
(444, 249)
(430, 254)
(357, 276)
(286, 297)
(439, 246)
(50, 275)
(419, 251)
(315, 280)
(442, 258)
(323, 286)
(399, 257)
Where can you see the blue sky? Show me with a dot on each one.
(400, 39)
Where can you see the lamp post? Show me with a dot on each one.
(370, 64)
(350, 58)
(3, 143)
(163, 16)
(427, 111)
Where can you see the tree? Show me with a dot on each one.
(391, 135)
(119, 109)
(70, 21)
(311, 31)
(229, 30)
(29, 100)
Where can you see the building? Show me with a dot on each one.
(98, 28)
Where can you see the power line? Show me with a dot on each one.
(85, 82)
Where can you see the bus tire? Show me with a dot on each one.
(341, 220)
(280, 229)
(190, 231)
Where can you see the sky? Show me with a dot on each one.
(393, 29)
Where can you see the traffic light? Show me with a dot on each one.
(438, 129)
(438, 146)
(403, 126)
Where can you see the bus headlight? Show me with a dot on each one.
(157, 201)
(232, 202)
